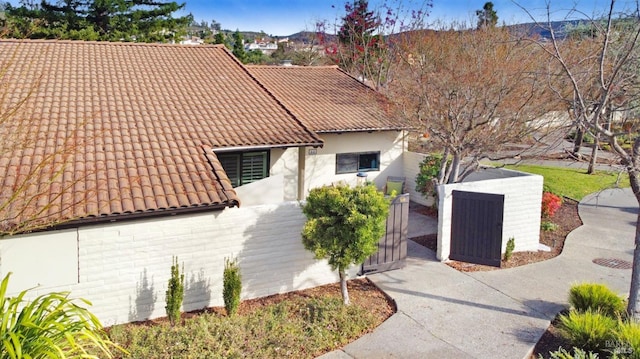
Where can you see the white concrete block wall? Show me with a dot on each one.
(123, 267)
(522, 203)
(411, 165)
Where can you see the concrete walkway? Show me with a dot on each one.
(443, 313)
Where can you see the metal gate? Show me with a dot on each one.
(476, 227)
(392, 248)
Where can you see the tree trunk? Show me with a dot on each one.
(594, 155)
(577, 142)
(343, 287)
(633, 306)
(442, 172)
(455, 169)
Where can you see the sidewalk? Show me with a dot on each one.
(443, 313)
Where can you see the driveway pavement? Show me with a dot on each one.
(443, 313)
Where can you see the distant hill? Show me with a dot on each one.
(559, 28)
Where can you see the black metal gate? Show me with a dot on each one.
(392, 248)
(476, 227)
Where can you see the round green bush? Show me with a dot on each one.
(589, 330)
(596, 297)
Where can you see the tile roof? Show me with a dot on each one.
(327, 99)
(110, 129)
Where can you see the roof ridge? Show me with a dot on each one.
(321, 67)
(109, 43)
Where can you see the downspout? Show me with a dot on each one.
(301, 172)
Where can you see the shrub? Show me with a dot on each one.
(548, 226)
(578, 353)
(596, 297)
(627, 342)
(429, 168)
(511, 245)
(175, 292)
(588, 330)
(232, 285)
(550, 204)
(50, 326)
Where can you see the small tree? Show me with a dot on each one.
(231, 286)
(487, 17)
(344, 226)
(175, 292)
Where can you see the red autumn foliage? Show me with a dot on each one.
(550, 204)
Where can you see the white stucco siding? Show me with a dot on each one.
(320, 168)
(123, 267)
(285, 162)
(521, 219)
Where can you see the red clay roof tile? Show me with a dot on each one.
(103, 129)
(326, 98)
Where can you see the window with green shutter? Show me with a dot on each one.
(245, 167)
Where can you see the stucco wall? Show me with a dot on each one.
(522, 203)
(320, 168)
(123, 267)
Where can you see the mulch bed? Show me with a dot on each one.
(566, 219)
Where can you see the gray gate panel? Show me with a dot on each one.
(392, 248)
(476, 227)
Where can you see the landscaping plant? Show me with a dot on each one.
(596, 297)
(511, 245)
(628, 339)
(589, 330)
(550, 204)
(344, 226)
(578, 353)
(175, 293)
(300, 327)
(429, 169)
(232, 286)
(50, 326)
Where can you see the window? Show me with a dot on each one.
(245, 167)
(357, 162)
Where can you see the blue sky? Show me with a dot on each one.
(286, 17)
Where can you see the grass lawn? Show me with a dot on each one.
(574, 183)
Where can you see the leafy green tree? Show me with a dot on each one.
(344, 226)
(50, 326)
(487, 17)
(221, 38)
(110, 20)
(238, 47)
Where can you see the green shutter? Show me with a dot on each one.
(254, 167)
(231, 164)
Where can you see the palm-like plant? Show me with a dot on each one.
(50, 326)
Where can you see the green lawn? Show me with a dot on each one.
(574, 183)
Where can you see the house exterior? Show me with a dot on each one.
(124, 155)
(354, 122)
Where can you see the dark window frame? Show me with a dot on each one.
(354, 162)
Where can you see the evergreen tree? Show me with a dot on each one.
(221, 38)
(487, 17)
(238, 46)
(360, 46)
(111, 20)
